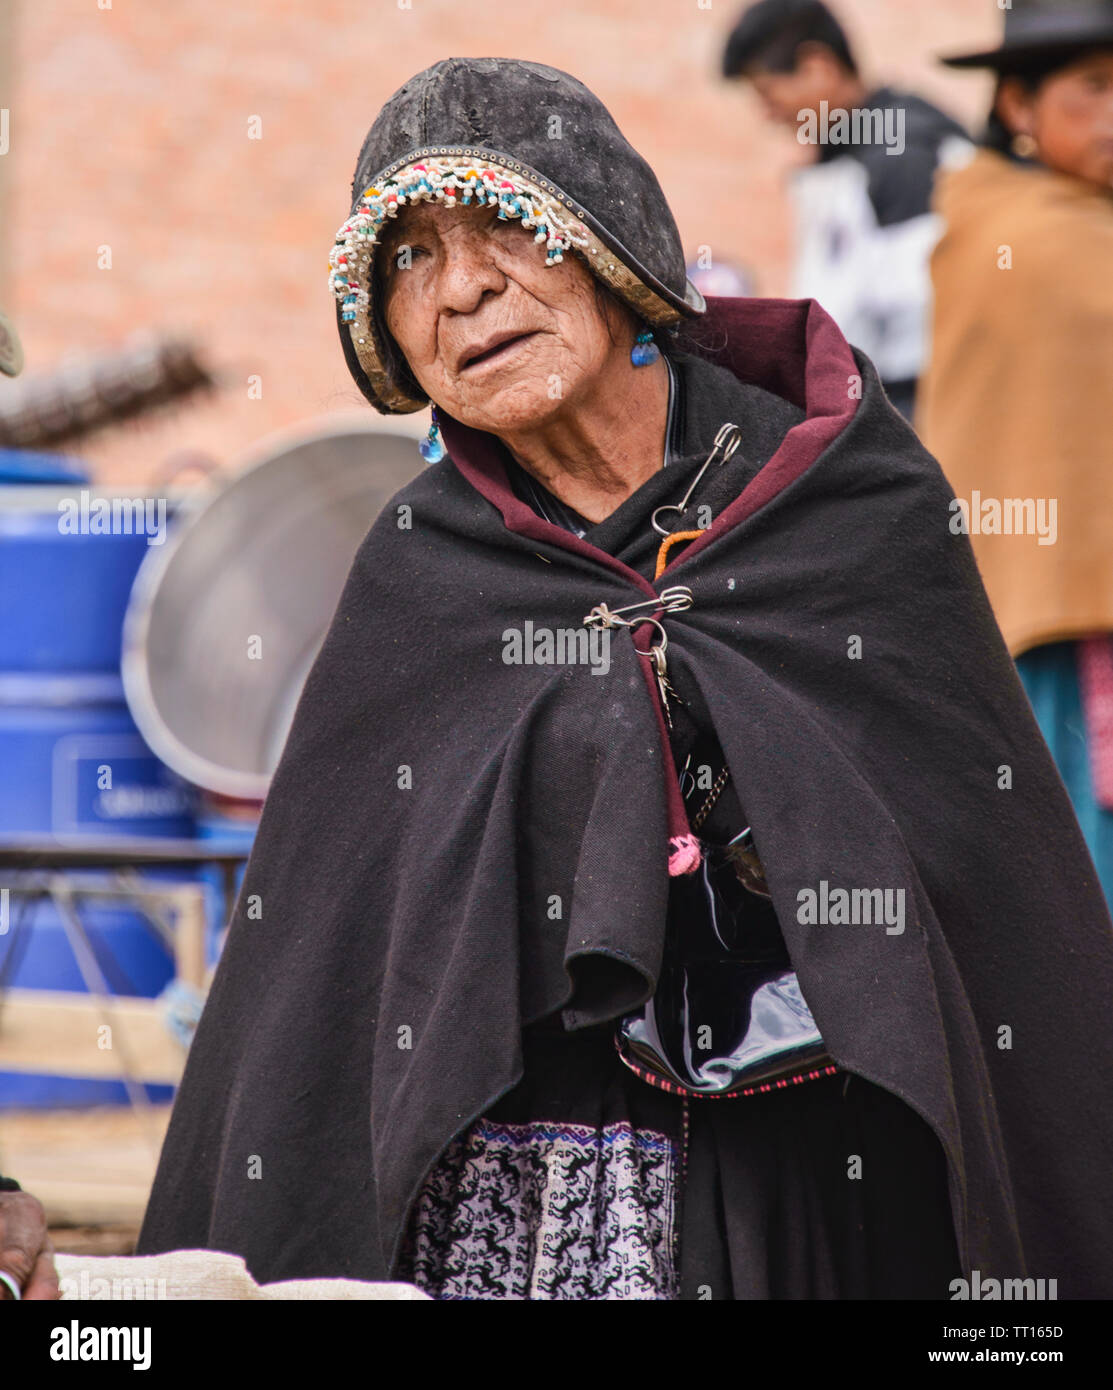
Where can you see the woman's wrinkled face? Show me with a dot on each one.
(493, 335)
(1070, 117)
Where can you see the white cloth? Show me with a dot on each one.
(873, 280)
(201, 1274)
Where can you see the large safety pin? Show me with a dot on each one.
(726, 442)
(676, 599)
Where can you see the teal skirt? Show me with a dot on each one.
(1050, 678)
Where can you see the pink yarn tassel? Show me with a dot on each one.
(685, 857)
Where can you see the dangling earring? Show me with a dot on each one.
(645, 351)
(431, 448)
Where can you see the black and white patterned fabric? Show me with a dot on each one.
(548, 1211)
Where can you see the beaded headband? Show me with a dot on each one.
(459, 177)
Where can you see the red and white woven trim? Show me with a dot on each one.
(784, 1084)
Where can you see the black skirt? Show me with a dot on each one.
(584, 1182)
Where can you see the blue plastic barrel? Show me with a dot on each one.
(23, 466)
(62, 597)
(72, 762)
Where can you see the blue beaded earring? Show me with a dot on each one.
(645, 351)
(431, 448)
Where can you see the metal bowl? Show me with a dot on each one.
(226, 618)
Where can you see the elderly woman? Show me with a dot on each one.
(664, 891)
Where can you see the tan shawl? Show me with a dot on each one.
(1016, 404)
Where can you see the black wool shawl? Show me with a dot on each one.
(454, 846)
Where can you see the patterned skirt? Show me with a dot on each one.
(584, 1182)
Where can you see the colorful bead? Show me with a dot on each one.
(453, 182)
(645, 351)
(431, 448)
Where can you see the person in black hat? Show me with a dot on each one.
(1062, 124)
(863, 226)
(1015, 401)
(541, 983)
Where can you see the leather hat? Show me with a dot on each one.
(540, 146)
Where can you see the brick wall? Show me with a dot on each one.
(129, 128)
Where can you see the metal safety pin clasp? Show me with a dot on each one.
(676, 599)
(726, 443)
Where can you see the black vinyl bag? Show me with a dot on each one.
(728, 1016)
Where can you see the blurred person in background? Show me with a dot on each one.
(863, 228)
(1016, 402)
